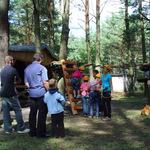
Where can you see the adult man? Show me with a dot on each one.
(10, 77)
(36, 79)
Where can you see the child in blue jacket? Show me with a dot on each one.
(55, 102)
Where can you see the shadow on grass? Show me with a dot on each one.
(128, 130)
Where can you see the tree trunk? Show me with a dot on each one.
(128, 45)
(97, 61)
(20, 42)
(65, 30)
(50, 8)
(37, 25)
(87, 32)
(142, 31)
(28, 27)
(4, 30)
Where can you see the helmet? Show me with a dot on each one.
(86, 78)
(82, 68)
(98, 75)
(108, 67)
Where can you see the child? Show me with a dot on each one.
(55, 101)
(107, 92)
(94, 73)
(76, 82)
(85, 95)
(100, 83)
(94, 96)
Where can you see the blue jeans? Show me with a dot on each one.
(85, 105)
(94, 103)
(7, 104)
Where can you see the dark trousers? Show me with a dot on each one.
(106, 102)
(100, 105)
(37, 106)
(58, 129)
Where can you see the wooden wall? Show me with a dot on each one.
(27, 56)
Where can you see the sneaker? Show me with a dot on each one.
(9, 132)
(24, 131)
(109, 119)
(90, 116)
(104, 118)
(74, 96)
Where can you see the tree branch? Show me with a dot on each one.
(144, 16)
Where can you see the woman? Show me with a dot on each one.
(107, 92)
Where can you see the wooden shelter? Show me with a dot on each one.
(25, 53)
(23, 56)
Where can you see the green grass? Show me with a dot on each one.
(128, 130)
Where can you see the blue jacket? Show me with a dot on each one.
(54, 100)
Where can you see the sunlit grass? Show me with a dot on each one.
(128, 130)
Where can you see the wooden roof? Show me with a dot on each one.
(26, 52)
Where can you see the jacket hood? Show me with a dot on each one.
(53, 90)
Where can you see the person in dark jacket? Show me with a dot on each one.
(9, 78)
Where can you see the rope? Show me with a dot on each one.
(104, 96)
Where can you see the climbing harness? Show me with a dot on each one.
(102, 91)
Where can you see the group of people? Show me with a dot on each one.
(96, 94)
(44, 98)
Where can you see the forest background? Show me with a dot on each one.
(122, 39)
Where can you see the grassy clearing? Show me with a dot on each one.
(128, 130)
